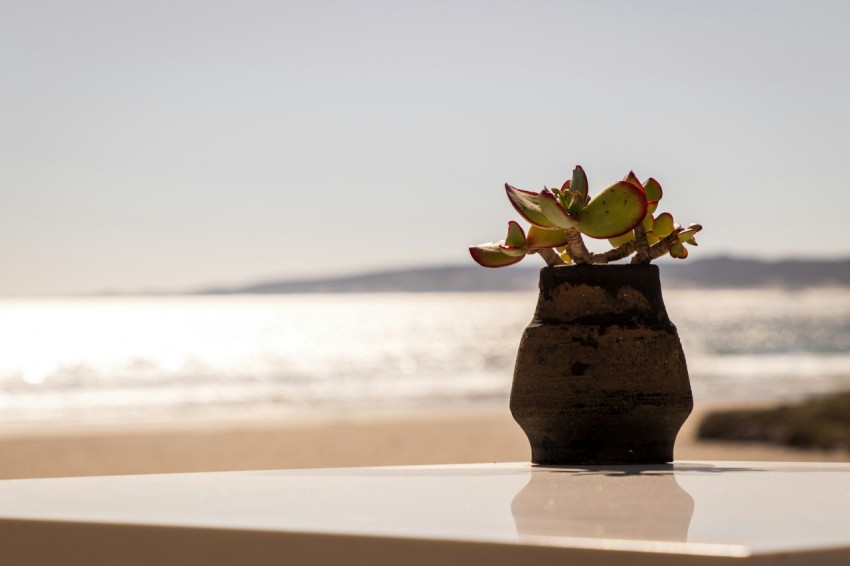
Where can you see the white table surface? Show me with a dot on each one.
(687, 513)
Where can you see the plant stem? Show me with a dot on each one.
(578, 251)
(641, 246)
(580, 254)
(550, 257)
(662, 247)
(620, 252)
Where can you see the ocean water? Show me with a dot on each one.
(91, 359)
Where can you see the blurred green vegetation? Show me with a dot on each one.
(821, 423)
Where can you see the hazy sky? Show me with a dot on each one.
(173, 144)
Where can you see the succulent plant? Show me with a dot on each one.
(623, 213)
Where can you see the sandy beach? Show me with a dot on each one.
(310, 441)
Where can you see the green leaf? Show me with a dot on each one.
(555, 212)
(614, 211)
(512, 251)
(632, 178)
(528, 205)
(579, 183)
(618, 241)
(564, 194)
(491, 255)
(516, 236)
(542, 238)
(575, 204)
(688, 233)
(653, 189)
(663, 225)
(678, 251)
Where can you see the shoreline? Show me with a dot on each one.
(222, 416)
(348, 439)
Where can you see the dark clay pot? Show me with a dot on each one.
(600, 377)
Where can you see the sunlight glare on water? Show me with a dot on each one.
(99, 354)
(98, 358)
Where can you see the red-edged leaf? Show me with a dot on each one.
(688, 233)
(516, 236)
(614, 211)
(632, 178)
(652, 188)
(528, 205)
(541, 238)
(512, 251)
(663, 225)
(555, 211)
(678, 251)
(491, 255)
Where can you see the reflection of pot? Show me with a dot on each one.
(600, 376)
(626, 504)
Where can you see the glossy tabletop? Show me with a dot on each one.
(686, 513)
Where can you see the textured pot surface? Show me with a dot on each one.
(600, 377)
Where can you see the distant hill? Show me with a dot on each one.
(715, 272)
(420, 280)
(731, 272)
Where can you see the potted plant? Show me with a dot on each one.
(600, 376)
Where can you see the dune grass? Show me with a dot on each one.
(821, 423)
